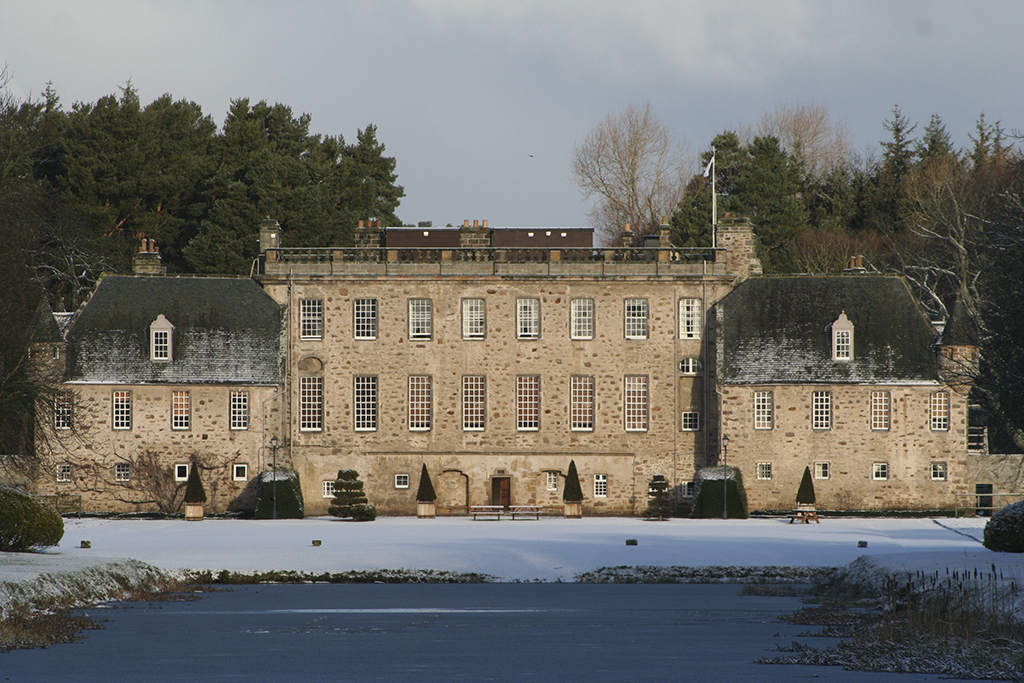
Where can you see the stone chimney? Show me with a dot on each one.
(476, 237)
(735, 234)
(370, 235)
(147, 261)
(627, 236)
(270, 234)
(663, 233)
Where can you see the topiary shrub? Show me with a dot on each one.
(1005, 531)
(660, 505)
(805, 494)
(27, 521)
(289, 496)
(707, 500)
(349, 499)
(573, 492)
(194, 491)
(425, 493)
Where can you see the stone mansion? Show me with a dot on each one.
(495, 356)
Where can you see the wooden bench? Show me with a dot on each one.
(804, 514)
(526, 511)
(486, 511)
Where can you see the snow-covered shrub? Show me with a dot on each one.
(1005, 531)
(349, 499)
(708, 498)
(289, 495)
(27, 521)
(660, 505)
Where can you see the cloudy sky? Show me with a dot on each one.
(481, 103)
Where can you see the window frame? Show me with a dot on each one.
(879, 471)
(63, 410)
(242, 467)
(474, 403)
(238, 410)
(327, 488)
(122, 472)
(581, 319)
(881, 411)
(65, 473)
(311, 403)
(636, 403)
(939, 471)
(364, 319)
(365, 397)
(421, 319)
(635, 319)
(821, 411)
(691, 313)
(764, 471)
(764, 410)
(938, 411)
(402, 480)
(121, 415)
(420, 403)
(181, 471)
(690, 366)
(527, 403)
(551, 481)
(474, 319)
(600, 485)
(311, 319)
(823, 469)
(527, 318)
(842, 339)
(689, 421)
(181, 410)
(161, 340)
(581, 403)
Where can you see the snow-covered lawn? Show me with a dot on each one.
(546, 550)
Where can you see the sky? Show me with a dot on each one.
(481, 103)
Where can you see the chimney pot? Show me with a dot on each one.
(476, 224)
(361, 224)
(465, 223)
(485, 224)
(629, 227)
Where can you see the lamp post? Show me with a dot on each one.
(725, 477)
(273, 445)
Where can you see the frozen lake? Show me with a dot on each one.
(477, 632)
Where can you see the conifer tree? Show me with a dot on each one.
(425, 493)
(573, 493)
(349, 499)
(660, 505)
(194, 490)
(805, 494)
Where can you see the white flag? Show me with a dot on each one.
(710, 166)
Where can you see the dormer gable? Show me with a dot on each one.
(161, 340)
(842, 339)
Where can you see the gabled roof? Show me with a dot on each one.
(225, 331)
(777, 330)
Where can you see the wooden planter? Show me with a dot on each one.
(193, 512)
(426, 509)
(573, 510)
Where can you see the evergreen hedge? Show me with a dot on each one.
(27, 521)
(708, 503)
(289, 496)
(1005, 531)
(573, 493)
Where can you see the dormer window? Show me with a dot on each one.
(161, 339)
(842, 339)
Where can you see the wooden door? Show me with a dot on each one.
(501, 491)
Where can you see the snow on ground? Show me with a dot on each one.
(547, 550)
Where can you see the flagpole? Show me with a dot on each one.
(714, 203)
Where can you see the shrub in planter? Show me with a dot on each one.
(349, 499)
(660, 505)
(573, 492)
(289, 495)
(27, 521)
(425, 493)
(194, 491)
(707, 500)
(805, 494)
(1005, 531)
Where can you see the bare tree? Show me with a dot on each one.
(808, 133)
(636, 168)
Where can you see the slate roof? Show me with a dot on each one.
(226, 331)
(777, 330)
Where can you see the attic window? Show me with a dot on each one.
(842, 339)
(161, 338)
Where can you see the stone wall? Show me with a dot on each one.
(851, 448)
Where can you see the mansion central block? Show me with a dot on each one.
(496, 356)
